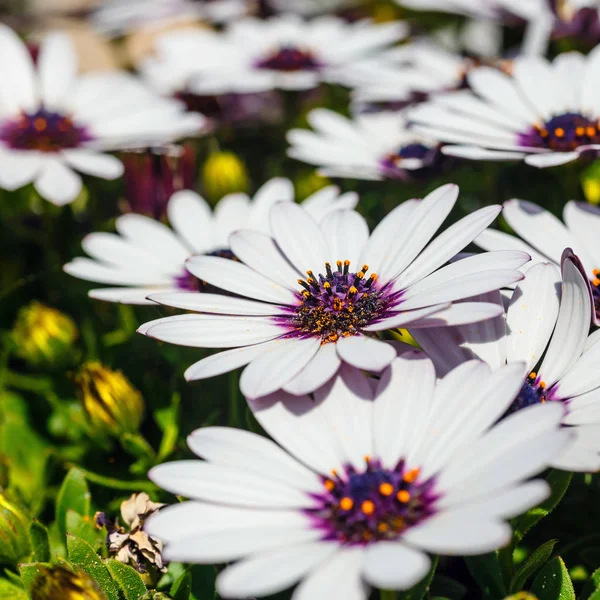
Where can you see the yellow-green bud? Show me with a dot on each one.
(590, 183)
(44, 336)
(113, 406)
(224, 173)
(522, 596)
(15, 543)
(58, 582)
(310, 184)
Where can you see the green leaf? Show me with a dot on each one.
(9, 591)
(485, 569)
(419, 591)
(203, 582)
(84, 528)
(128, 579)
(592, 585)
(535, 562)
(553, 582)
(182, 587)
(73, 495)
(559, 483)
(448, 588)
(39, 541)
(82, 554)
(30, 572)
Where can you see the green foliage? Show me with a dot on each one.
(128, 579)
(553, 582)
(535, 562)
(73, 495)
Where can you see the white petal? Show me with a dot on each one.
(460, 314)
(346, 233)
(215, 304)
(123, 295)
(16, 68)
(478, 153)
(57, 183)
(213, 331)
(406, 317)
(94, 163)
(277, 366)
(192, 219)
(582, 377)
(366, 353)
(551, 159)
(252, 453)
(231, 213)
(394, 566)
(238, 278)
(322, 367)
(274, 571)
(57, 69)
(18, 168)
(201, 480)
(583, 221)
(275, 190)
(299, 237)
(91, 270)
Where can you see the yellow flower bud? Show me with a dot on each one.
(15, 544)
(59, 582)
(44, 336)
(310, 184)
(112, 404)
(522, 596)
(224, 173)
(590, 182)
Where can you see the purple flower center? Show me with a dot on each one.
(186, 281)
(596, 291)
(339, 303)
(563, 133)
(533, 392)
(290, 59)
(43, 131)
(392, 165)
(358, 508)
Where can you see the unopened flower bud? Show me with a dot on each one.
(224, 173)
(59, 582)
(522, 596)
(590, 182)
(113, 406)
(15, 544)
(44, 336)
(152, 176)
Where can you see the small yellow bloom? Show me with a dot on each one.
(224, 173)
(44, 336)
(112, 404)
(58, 582)
(590, 182)
(521, 596)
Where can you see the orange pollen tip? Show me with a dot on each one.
(347, 263)
(386, 489)
(532, 375)
(374, 276)
(382, 527)
(543, 384)
(596, 282)
(300, 281)
(596, 272)
(306, 293)
(352, 290)
(327, 285)
(330, 485)
(40, 124)
(591, 131)
(365, 268)
(346, 503)
(559, 132)
(579, 131)
(411, 475)
(403, 496)
(368, 507)
(360, 274)
(544, 132)
(309, 273)
(338, 263)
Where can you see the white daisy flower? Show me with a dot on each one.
(498, 10)
(370, 478)
(147, 256)
(546, 237)
(532, 327)
(255, 55)
(546, 113)
(54, 122)
(309, 8)
(294, 332)
(118, 17)
(370, 146)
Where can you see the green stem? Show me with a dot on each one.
(38, 385)
(117, 484)
(388, 595)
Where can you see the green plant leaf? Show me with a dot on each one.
(553, 582)
(485, 569)
(39, 541)
(73, 495)
(203, 582)
(30, 572)
(559, 483)
(128, 579)
(182, 587)
(535, 562)
(592, 585)
(447, 587)
(82, 554)
(84, 528)
(419, 591)
(9, 591)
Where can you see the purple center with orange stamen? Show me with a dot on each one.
(44, 131)
(596, 291)
(360, 507)
(397, 165)
(534, 391)
(289, 59)
(339, 303)
(563, 133)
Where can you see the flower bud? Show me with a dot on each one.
(113, 406)
(59, 582)
(224, 173)
(522, 596)
(15, 544)
(152, 176)
(590, 182)
(44, 336)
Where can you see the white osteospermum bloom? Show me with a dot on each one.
(54, 122)
(370, 146)
(546, 113)
(255, 55)
(497, 10)
(568, 373)
(546, 237)
(294, 333)
(366, 481)
(146, 256)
